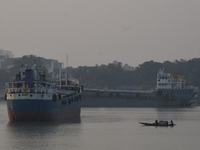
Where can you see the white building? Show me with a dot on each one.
(5, 55)
(51, 64)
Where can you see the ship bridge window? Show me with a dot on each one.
(10, 85)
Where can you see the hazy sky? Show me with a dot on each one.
(100, 31)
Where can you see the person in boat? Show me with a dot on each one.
(172, 123)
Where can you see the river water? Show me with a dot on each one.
(105, 129)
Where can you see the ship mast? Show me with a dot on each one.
(60, 76)
(66, 69)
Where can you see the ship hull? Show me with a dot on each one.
(42, 110)
(157, 98)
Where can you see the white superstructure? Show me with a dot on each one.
(170, 81)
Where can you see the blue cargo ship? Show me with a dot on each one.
(31, 96)
(171, 90)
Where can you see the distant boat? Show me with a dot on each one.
(171, 91)
(160, 123)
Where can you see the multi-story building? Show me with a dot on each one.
(4, 55)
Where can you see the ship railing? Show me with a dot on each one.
(27, 90)
(178, 88)
(191, 87)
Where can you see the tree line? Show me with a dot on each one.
(113, 75)
(144, 77)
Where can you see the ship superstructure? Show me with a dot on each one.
(170, 81)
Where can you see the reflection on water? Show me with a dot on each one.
(66, 121)
(105, 128)
(33, 135)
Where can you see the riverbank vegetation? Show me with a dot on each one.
(113, 76)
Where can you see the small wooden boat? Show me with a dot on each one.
(157, 124)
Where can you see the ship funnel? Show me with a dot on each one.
(26, 66)
(35, 68)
